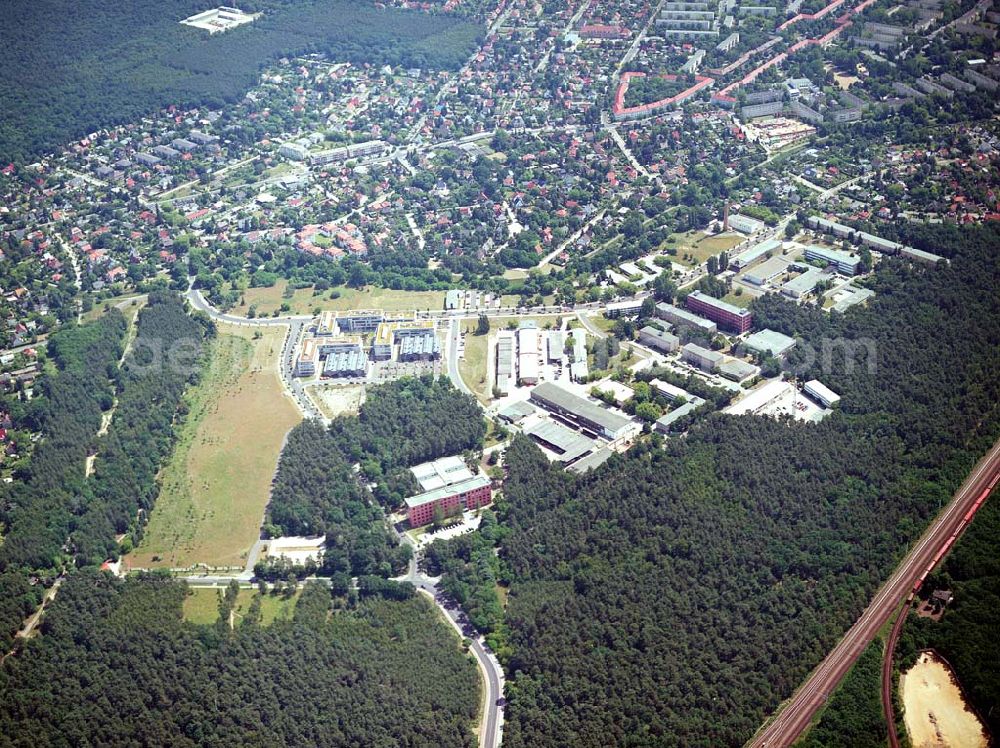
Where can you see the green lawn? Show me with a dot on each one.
(201, 606)
(304, 301)
(694, 247)
(742, 301)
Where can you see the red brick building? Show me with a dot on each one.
(472, 493)
(727, 316)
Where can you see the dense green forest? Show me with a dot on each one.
(968, 633)
(404, 423)
(162, 361)
(116, 665)
(853, 717)
(70, 68)
(470, 572)
(676, 595)
(36, 510)
(316, 492)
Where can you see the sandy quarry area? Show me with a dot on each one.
(338, 400)
(936, 715)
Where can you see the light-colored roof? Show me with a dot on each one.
(441, 472)
(428, 497)
(770, 340)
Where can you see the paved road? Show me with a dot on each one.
(491, 721)
(454, 339)
(799, 711)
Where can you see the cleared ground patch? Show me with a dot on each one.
(304, 301)
(216, 484)
(338, 400)
(936, 715)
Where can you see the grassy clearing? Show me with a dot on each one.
(201, 606)
(215, 486)
(101, 304)
(694, 247)
(303, 301)
(742, 301)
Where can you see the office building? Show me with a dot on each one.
(804, 284)
(700, 357)
(448, 500)
(726, 315)
(444, 471)
(659, 340)
(305, 364)
(745, 224)
(628, 308)
(681, 318)
(347, 362)
(360, 320)
(769, 343)
(844, 262)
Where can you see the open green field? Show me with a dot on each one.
(304, 302)
(694, 247)
(742, 301)
(216, 484)
(202, 605)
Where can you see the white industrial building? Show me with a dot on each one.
(821, 393)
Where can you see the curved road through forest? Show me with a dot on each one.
(794, 717)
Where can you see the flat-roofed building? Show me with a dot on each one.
(359, 320)
(762, 398)
(527, 355)
(821, 393)
(736, 369)
(673, 392)
(305, 364)
(505, 361)
(759, 250)
(581, 411)
(443, 471)
(327, 324)
(567, 444)
(844, 262)
(746, 224)
(669, 422)
(659, 340)
(804, 284)
(448, 500)
(766, 271)
(628, 308)
(554, 345)
(769, 342)
(683, 318)
(726, 315)
(700, 357)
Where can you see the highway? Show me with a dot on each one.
(795, 715)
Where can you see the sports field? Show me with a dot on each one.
(303, 301)
(215, 486)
